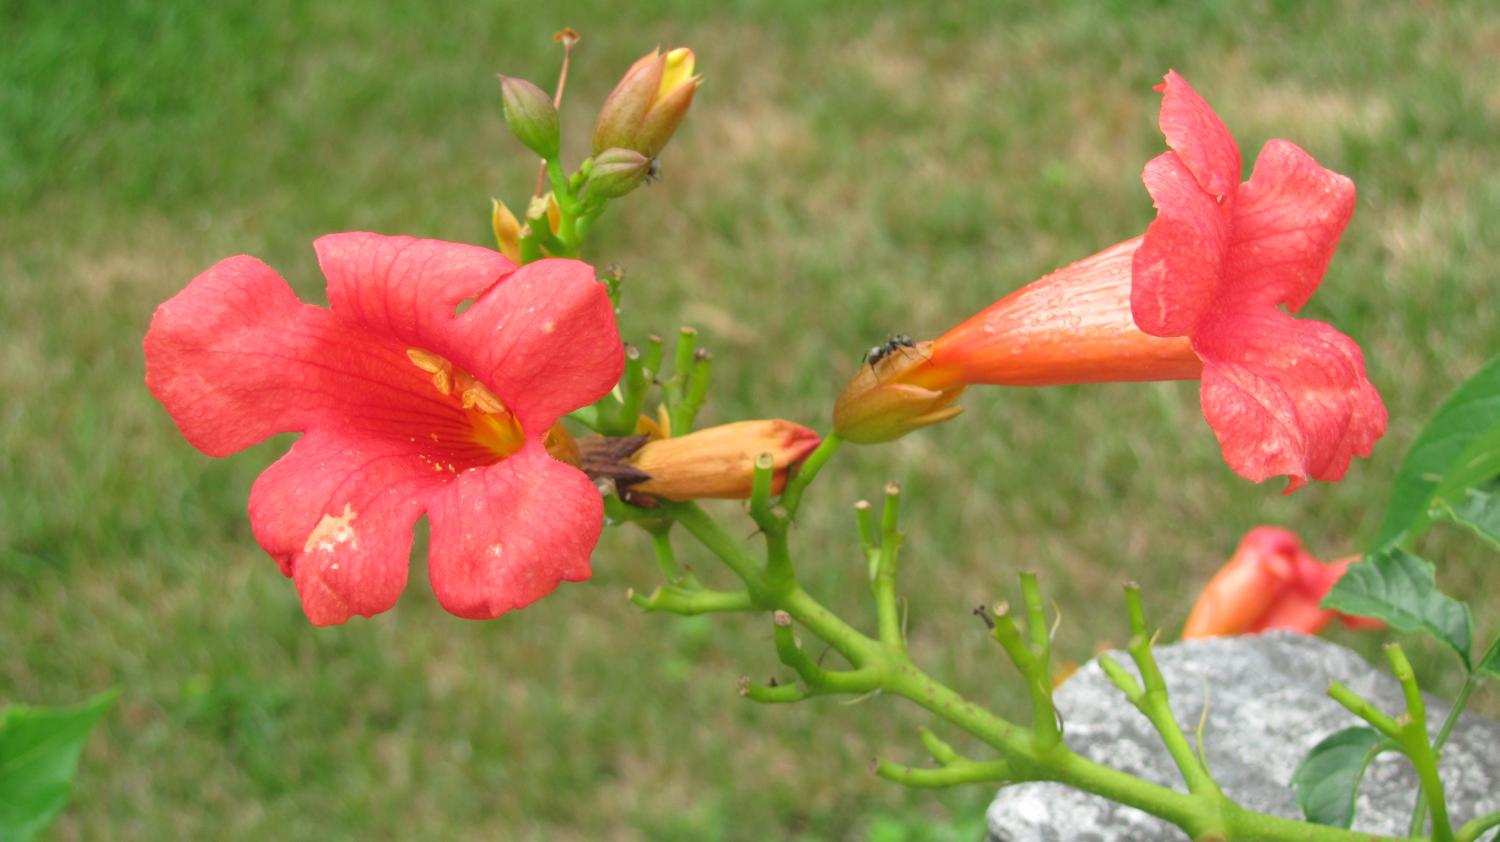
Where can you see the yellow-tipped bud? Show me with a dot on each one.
(648, 104)
(896, 391)
(507, 230)
(719, 461)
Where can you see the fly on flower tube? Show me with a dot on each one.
(406, 407)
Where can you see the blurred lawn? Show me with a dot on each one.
(847, 173)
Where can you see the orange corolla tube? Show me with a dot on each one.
(1071, 326)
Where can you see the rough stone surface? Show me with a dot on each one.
(1267, 707)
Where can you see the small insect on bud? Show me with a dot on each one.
(617, 171)
(897, 390)
(531, 116)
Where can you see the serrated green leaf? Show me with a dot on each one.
(1459, 448)
(1478, 511)
(1490, 663)
(39, 750)
(1401, 589)
(1327, 779)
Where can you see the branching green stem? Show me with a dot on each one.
(1153, 703)
(1478, 827)
(791, 496)
(879, 666)
(953, 774)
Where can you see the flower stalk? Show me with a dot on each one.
(880, 664)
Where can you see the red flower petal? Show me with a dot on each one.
(1287, 222)
(1294, 611)
(336, 512)
(214, 356)
(1179, 266)
(235, 357)
(545, 341)
(403, 287)
(1198, 137)
(505, 535)
(1286, 396)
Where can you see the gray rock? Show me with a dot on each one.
(1267, 706)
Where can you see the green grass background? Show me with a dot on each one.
(848, 171)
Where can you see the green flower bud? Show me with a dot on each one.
(616, 172)
(531, 116)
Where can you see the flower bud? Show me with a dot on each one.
(616, 172)
(720, 461)
(648, 104)
(895, 393)
(507, 230)
(531, 116)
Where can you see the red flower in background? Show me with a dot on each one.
(406, 407)
(1283, 396)
(1271, 582)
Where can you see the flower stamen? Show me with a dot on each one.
(493, 426)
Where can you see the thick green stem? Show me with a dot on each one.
(1413, 740)
(1419, 812)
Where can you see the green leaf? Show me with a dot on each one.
(1459, 448)
(1477, 510)
(39, 749)
(1401, 589)
(1328, 778)
(1490, 663)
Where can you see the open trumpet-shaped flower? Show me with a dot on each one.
(1271, 582)
(407, 407)
(1284, 397)
(1198, 296)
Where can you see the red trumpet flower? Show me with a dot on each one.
(1198, 296)
(1271, 582)
(406, 407)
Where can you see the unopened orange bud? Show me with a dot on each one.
(645, 108)
(719, 461)
(894, 393)
(507, 230)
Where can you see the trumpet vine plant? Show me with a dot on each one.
(490, 391)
